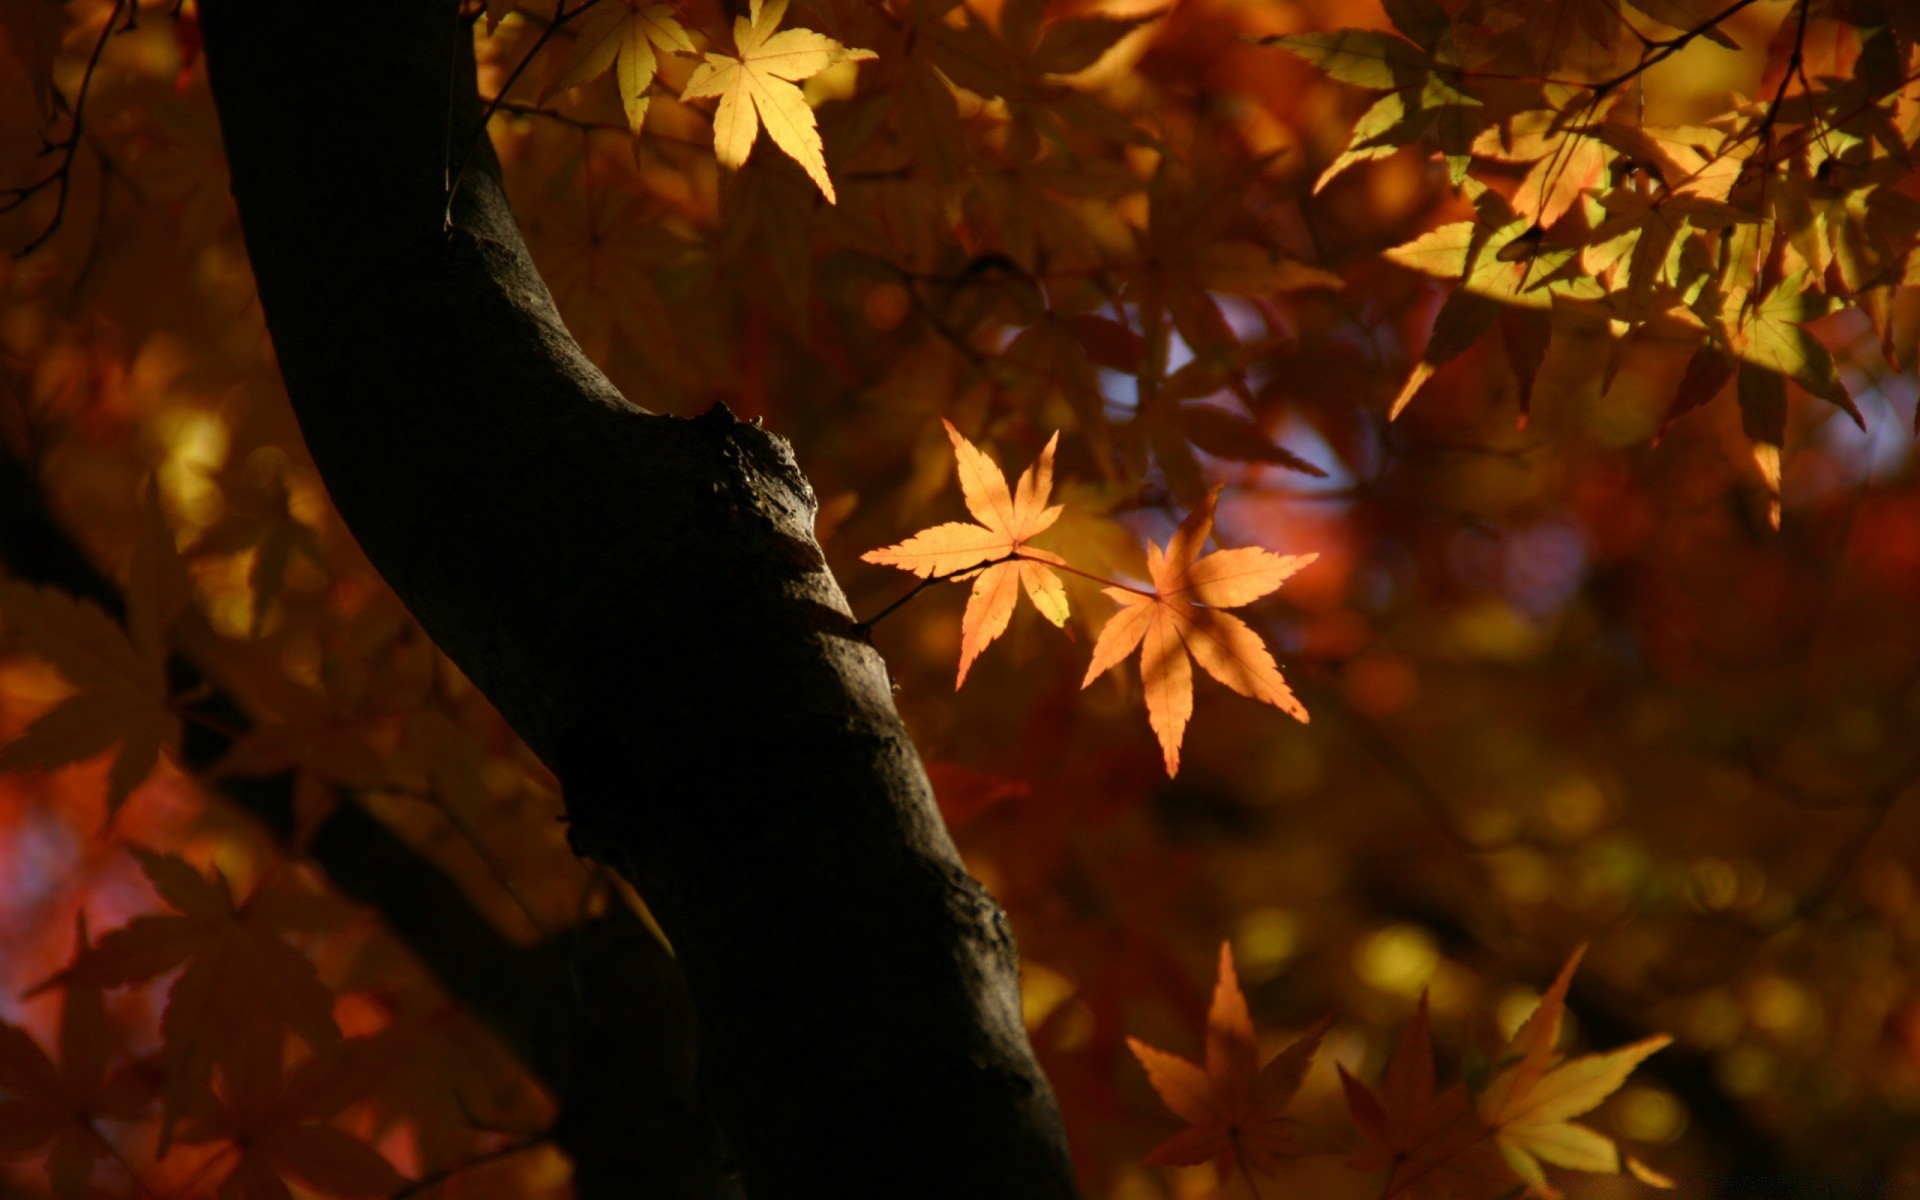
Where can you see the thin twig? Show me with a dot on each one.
(479, 1160)
(1657, 52)
(1765, 131)
(459, 169)
(61, 177)
(519, 108)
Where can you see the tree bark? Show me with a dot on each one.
(642, 597)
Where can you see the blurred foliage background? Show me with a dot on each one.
(1572, 676)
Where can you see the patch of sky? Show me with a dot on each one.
(1121, 392)
(1849, 457)
(1543, 565)
(1535, 568)
(37, 860)
(1886, 402)
(1246, 320)
(1383, 576)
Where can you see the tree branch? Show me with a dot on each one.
(643, 599)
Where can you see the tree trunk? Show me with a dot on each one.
(642, 597)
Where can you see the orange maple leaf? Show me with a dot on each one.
(1232, 1106)
(1531, 1101)
(1007, 520)
(1182, 616)
(1438, 1148)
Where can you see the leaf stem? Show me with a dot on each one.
(1102, 579)
(864, 628)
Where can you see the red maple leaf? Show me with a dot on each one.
(1232, 1105)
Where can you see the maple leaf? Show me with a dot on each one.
(122, 688)
(242, 983)
(757, 88)
(1531, 1100)
(623, 34)
(1496, 258)
(258, 517)
(1008, 519)
(1232, 1104)
(1437, 1147)
(1182, 616)
(1566, 157)
(1423, 94)
(278, 1124)
(1075, 43)
(53, 1109)
(1433, 1146)
(1774, 336)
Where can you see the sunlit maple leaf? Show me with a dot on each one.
(757, 88)
(44, 1108)
(122, 688)
(1532, 1099)
(1232, 1105)
(1773, 335)
(1182, 616)
(242, 983)
(1424, 95)
(623, 34)
(1445, 1146)
(1007, 520)
(1566, 155)
(1499, 257)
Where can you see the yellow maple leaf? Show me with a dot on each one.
(1232, 1105)
(1007, 519)
(623, 33)
(1531, 1101)
(757, 88)
(1182, 616)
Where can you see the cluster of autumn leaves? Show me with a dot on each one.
(238, 985)
(1434, 1145)
(1733, 234)
(1179, 620)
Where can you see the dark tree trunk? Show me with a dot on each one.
(643, 599)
